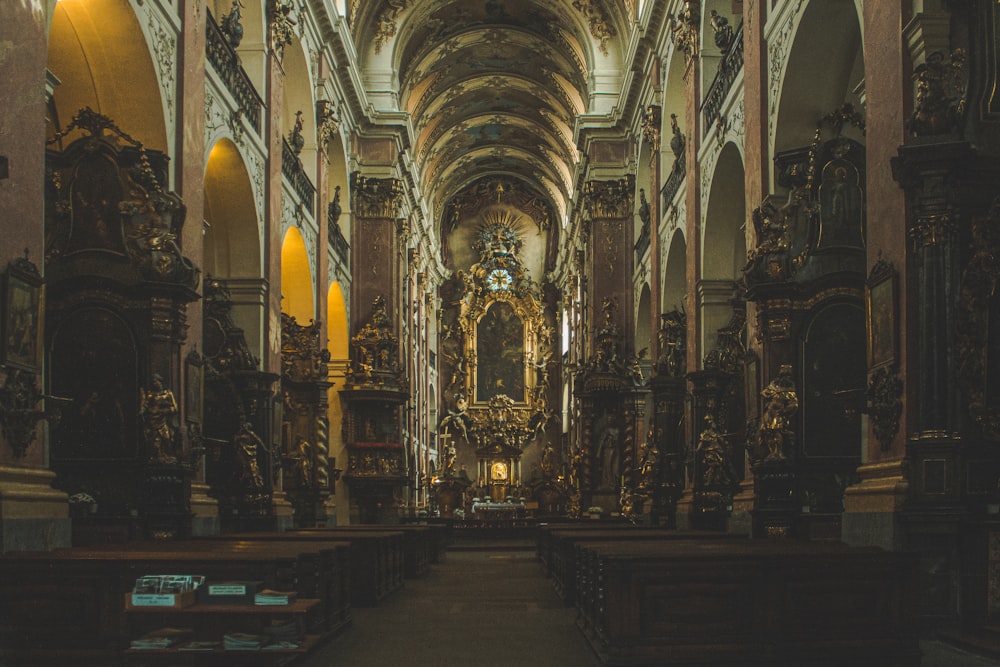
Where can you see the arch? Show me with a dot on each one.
(723, 249)
(675, 274)
(252, 50)
(298, 96)
(232, 242)
(643, 331)
(98, 52)
(811, 87)
(296, 278)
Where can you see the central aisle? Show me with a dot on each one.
(476, 609)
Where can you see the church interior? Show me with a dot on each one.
(700, 295)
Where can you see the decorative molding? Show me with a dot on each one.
(164, 47)
(376, 197)
(386, 23)
(19, 416)
(600, 27)
(885, 404)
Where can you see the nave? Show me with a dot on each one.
(489, 607)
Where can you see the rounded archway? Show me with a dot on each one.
(296, 278)
(813, 87)
(723, 249)
(232, 240)
(298, 97)
(102, 61)
(675, 275)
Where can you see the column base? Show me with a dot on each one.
(33, 515)
(871, 506)
(206, 519)
(284, 513)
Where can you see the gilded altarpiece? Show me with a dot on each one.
(307, 472)
(807, 275)
(375, 390)
(496, 342)
(118, 289)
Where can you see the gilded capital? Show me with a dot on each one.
(609, 199)
(376, 197)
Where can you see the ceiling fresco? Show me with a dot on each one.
(494, 89)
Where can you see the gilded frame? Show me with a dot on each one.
(881, 310)
(194, 388)
(22, 317)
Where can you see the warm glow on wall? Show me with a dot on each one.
(336, 328)
(296, 278)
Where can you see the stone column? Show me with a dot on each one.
(32, 514)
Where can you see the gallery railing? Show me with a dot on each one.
(672, 184)
(732, 63)
(291, 167)
(227, 65)
(335, 237)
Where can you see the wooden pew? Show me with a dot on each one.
(418, 543)
(376, 565)
(752, 603)
(566, 545)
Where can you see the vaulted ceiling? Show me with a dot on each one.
(494, 89)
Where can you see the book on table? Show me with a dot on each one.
(268, 597)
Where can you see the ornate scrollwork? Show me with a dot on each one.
(376, 348)
(149, 219)
(885, 404)
(329, 123)
(651, 128)
(672, 337)
(939, 100)
(607, 367)
(376, 197)
(282, 25)
(609, 199)
(303, 357)
(684, 29)
(978, 357)
(19, 415)
(386, 22)
(600, 27)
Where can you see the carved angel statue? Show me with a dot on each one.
(158, 410)
(458, 421)
(230, 25)
(770, 229)
(677, 139)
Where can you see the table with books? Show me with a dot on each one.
(209, 622)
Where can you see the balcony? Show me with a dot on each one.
(672, 184)
(227, 65)
(291, 168)
(642, 245)
(335, 237)
(732, 63)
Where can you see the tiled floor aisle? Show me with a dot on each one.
(491, 609)
(476, 609)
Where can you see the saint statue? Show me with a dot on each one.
(780, 404)
(158, 410)
(246, 444)
(712, 452)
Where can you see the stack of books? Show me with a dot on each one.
(284, 634)
(161, 638)
(267, 596)
(242, 641)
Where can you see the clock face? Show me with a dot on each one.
(498, 279)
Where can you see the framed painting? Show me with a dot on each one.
(22, 311)
(194, 385)
(881, 309)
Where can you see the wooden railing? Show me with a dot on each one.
(227, 65)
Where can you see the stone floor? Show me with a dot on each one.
(490, 606)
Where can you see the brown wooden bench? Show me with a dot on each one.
(418, 544)
(752, 602)
(566, 544)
